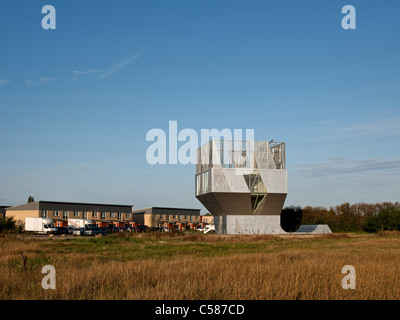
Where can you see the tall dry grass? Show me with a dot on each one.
(219, 267)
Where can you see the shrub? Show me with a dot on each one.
(8, 224)
(291, 218)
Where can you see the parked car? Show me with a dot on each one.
(70, 229)
(103, 231)
(142, 228)
(92, 231)
(62, 230)
(130, 229)
(156, 229)
(78, 232)
(112, 229)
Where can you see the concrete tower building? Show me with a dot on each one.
(243, 184)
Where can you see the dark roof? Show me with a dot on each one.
(26, 206)
(142, 210)
(85, 203)
(35, 205)
(174, 208)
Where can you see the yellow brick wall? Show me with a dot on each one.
(20, 215)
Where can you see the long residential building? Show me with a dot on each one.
(101, 214)
(172, 218)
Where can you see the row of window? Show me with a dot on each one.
(66, 215)
(117, 215)
(177, 217)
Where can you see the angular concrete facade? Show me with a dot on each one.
(243, 184)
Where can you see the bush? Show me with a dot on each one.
(291, 218)
(9, 224)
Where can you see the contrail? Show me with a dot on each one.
(120, 65)
(87, 71)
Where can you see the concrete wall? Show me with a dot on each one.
(260, 224)
(245, 224)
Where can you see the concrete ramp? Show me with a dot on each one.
(314, 229)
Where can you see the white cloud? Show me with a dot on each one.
(39, 82)
(4, 82)
(387, 126)
(336, 166)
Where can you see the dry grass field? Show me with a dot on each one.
(196, 266)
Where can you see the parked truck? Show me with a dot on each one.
(40, 225)
(80, 223)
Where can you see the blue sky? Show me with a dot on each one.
(76, 102)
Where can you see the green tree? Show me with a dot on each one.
(31, 199)
(291, 218)
(387, 219)
(348, 217)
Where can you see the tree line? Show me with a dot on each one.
(346, 217)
